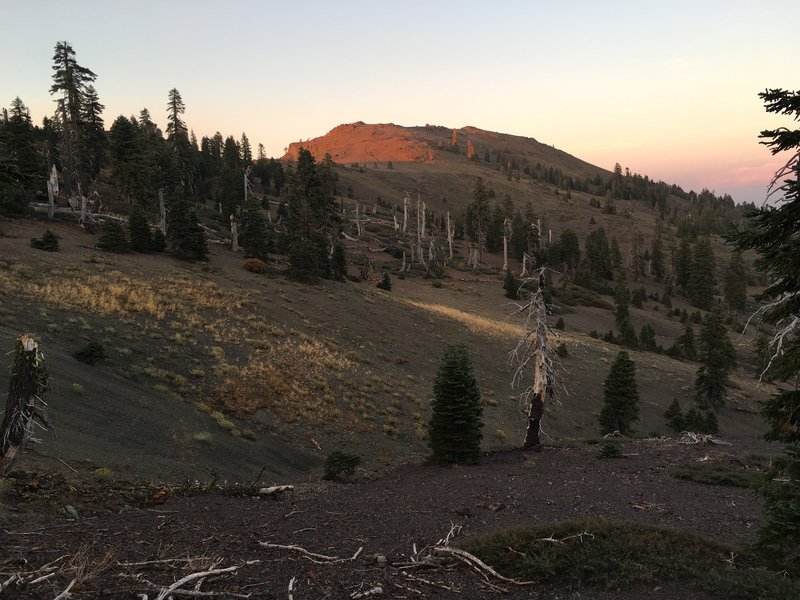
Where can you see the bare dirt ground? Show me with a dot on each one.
(134, 544)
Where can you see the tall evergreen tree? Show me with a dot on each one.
(70, 81)
(178, 142)
(703, 277)
(253, 232)
(598, 254)
(19, 138)
(94, 140)
(620, 397)
(454, 431)
(717, 357)
(684, 261)
(141, 239)
(657, 258)
(774, 233)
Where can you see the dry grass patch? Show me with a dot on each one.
(296, 380)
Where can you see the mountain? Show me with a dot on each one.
(367, 143)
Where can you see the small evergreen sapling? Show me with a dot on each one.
(454, 431)
(621, 397)
(48, 242)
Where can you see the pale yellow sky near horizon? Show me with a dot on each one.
(666, 89)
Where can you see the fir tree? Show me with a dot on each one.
(773, 233)
(647, 338)
(70, 80)
(674, 416)
(454, 431)
(717, 357)
(139, 230)
(620, 397)
(702, 281)
(112, 237)
(186, 237)
(253, 232)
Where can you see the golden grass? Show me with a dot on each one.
(113, 293)
(295, 380)
(474, 323)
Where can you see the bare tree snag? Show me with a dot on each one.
(234, 234)
(506, 235)
(450, 232)
(405, 213)
(532, 348)
(25, 403)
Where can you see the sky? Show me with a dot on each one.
(667, 89)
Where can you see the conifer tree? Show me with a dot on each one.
(70, 80)
(139, 230)
(253, 232)
(702, 280)
(717, 357)
(112, 237)
(674, 416)
(454, 431)
(773, 233)
(734, 283)
(511, 286)
(620, 397)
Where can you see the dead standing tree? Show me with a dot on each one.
(25, 403)
(533, 348)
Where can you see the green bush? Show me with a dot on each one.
(340, 465)
(610, 449)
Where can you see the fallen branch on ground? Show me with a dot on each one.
(480, 566)
(313, 556)
(192, 576)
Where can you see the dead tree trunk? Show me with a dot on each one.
(533, 347)
(506, 235)
(405, 213)
(449, 238)
(25, 401)
(234, 234)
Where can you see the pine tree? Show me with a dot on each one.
(454, 431)
(657, 258)
(620, 397)
(717, 357)
(773, 233)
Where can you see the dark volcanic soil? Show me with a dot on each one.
(386, 516)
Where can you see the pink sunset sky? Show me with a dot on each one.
(666, 89)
